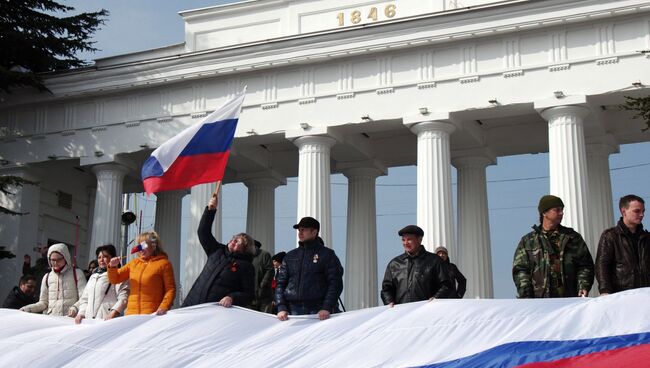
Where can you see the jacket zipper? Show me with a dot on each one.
(302, 261)
(140, 287)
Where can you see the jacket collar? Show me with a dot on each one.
(561, 229)
(419, 254)
(241, 256)
(310, 243)
(621, 225)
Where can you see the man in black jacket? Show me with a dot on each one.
(415, 275)
(228, 276)
(310, 279)
(21, 295)
(623, 258)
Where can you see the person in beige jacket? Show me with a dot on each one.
(101, 299)
(61, 287)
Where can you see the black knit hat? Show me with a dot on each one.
(411, 229)
(547, 202)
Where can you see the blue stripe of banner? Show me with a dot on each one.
(212, 138)
(518, 353)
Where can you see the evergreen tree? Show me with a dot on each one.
(8, 183)
(640, 105)
(36, 38)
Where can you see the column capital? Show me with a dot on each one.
(602, 146)
(480, 157)
(173, 193)
(264, 182)
(372, 168)
(371, 172)
(263, 177)
(601, 149)
(550, 108)
(322, 140)
(315, 132)
(479, 162)
(551, 113)
(442, 116)
(433, 126)
(114, 167)
(547, 103)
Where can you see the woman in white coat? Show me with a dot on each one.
(100, 299)
(61, 287)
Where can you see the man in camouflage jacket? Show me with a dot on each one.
(552, 260)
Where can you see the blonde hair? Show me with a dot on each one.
(249, 243)
(152, 238)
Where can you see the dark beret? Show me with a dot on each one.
(411, 229)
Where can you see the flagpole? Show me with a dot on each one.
(215, 194)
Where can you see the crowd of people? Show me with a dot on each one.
(551, 261)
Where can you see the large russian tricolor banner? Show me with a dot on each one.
(196, 155)
(611, 331)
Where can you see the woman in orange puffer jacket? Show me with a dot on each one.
(151, 277)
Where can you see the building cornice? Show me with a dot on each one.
(405, 33)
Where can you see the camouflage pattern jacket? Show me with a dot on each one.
(531, 272)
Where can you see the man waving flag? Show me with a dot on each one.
(196, 155)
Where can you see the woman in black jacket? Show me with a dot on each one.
(228, 276)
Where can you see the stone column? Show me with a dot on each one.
(260, 216)
(168, 225)
(568, 164)
(314, 189)
(195, 256)
(474, 251)
(108, 206)
(434, 212)
(361, 250)
(600, 190)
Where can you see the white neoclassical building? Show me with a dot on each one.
(338, 86)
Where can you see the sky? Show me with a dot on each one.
(515, 183)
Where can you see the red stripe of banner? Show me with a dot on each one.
(188, 171)
(630, 357)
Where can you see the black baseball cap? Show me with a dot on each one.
(308, 222)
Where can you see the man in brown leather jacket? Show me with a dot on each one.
(623, 258)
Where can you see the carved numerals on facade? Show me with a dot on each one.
(372, 14)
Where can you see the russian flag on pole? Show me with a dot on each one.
(197, 155)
